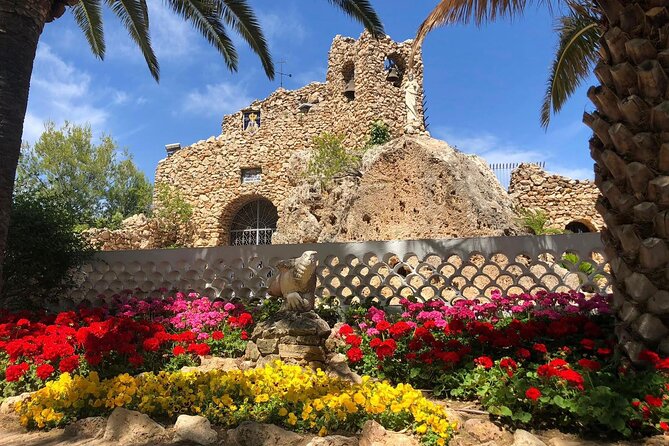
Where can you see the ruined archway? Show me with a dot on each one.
(251, 221)
(580, 226)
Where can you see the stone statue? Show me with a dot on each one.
(296, 282)
(411, 99)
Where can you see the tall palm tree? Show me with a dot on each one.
(22, 22)
(630, 146)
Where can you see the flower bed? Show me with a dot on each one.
(298, 398)
(546, 359)
(128, 336)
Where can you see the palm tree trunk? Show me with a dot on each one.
(630, 147)
(21, 23)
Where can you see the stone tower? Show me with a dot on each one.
(252, 161)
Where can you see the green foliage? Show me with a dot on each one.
(570, 259)
(330, 159)
(379, 133)
(535, 221)
(174, 214)
(267, 308)
(98, 182)
(43, 249)
(329, 309)
(577, 52)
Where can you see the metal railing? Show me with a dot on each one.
(503, 171)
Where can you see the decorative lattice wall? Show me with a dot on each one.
(380, 271)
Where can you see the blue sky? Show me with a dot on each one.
(483, 85)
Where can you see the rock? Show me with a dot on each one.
(130, 427)
(306, 352)
(252, 353)
(337, 365)
(250, 433)
(208, 363)
(484, 430)
(268, 346)
(8, 405)
(291, 324)
(91, 427)
(523, 438)
(333, 440)
(196, 429)
(373, 434)
(425, 191)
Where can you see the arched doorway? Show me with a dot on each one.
(578, 227)
(254, 224)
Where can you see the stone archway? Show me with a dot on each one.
(580, 226)
(250, 221)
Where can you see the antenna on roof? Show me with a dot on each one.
(281, 73)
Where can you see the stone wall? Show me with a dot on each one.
(208, 173)
(563, 199)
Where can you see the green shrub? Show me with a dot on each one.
(330, 159)
(379, 133)
(535, 221)
(43, 249)
(173, 214)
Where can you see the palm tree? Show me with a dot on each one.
(22, 22)
(630, 146)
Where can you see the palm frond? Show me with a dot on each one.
(239, 15)
(88, 15)
(465, 11)
(205, 16)
(134, 16)
(575, 55)
(363, 12)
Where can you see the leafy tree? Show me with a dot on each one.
(629, 145)
(43, 249)
(98, 182)
(22, 23)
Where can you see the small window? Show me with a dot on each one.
(253, 175)
(251, 120)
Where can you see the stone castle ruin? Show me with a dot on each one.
(250, 180)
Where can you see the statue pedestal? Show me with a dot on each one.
(294, 338)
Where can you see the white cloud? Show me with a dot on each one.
(488, 146)
(59, 91)
(120, 97)
(495, 150)
(218, 99)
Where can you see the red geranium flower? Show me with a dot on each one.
(602, 351)
(541, 348)
(354, 354)
(199, 349)
(664, 426)
(649, 356)
(653, 401)
(217, 335)
(151, 344)
(587, 344)
(178, 350)
(353, 340)
(382, 325)
(345, 330)
(68, 364)
(589, 364)
(385, 349)
(399, 329)
(523, 353)
(14, 372)
(44, 371)
(533, 393)
(484, 361)
(244, 335)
